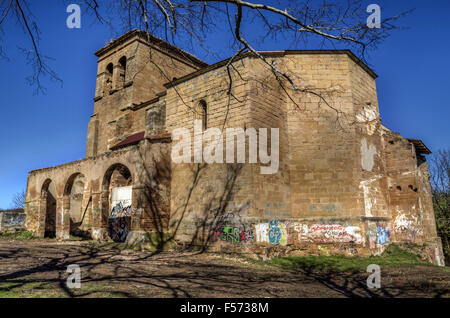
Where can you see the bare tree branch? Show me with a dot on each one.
(18, 201)
(330, 22)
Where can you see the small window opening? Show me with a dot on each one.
(204, 109)
(109, 76)
(123, 70)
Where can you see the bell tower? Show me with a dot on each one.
(131, 71)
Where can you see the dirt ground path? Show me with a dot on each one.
(38, 269)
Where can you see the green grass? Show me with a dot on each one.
(393, 256)
(28, 289)
(24, 235)
(34, 289)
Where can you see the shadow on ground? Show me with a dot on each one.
(39, 269)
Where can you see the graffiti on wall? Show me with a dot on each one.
(230, 230)
(382, 234)
(378, 234)
(120, 211)
(234, 234)
(13, 219)
(275, 232)
(262, 234)
(328, 233)
(407, 226)
(120, 222)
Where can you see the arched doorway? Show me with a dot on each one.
(75, 203)
(48, 200)
(117, 198)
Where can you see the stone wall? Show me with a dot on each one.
(12, 221)
(201, 193)
(332, 193)
(117, 102)
(146, 163)
(410, 203)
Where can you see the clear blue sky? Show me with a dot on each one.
(45, 130)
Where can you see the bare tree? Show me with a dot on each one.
(19, 10)
(18, 201)
(324, 23)
(440, 186)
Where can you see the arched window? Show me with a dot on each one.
(122, 70)
(110, 68)
(204, 112)
(201, 113)
(109, 77)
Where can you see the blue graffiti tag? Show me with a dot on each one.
(274, 232)
(382, 234)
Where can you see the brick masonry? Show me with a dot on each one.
(346, 184)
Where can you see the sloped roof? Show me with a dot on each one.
(130, 140)
(420, 146)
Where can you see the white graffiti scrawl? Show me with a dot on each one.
(328, 233)
(262, 234)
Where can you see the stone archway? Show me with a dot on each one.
(48, 207)
(117, 200)
(75, 205)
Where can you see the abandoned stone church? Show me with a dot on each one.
(345, 184)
